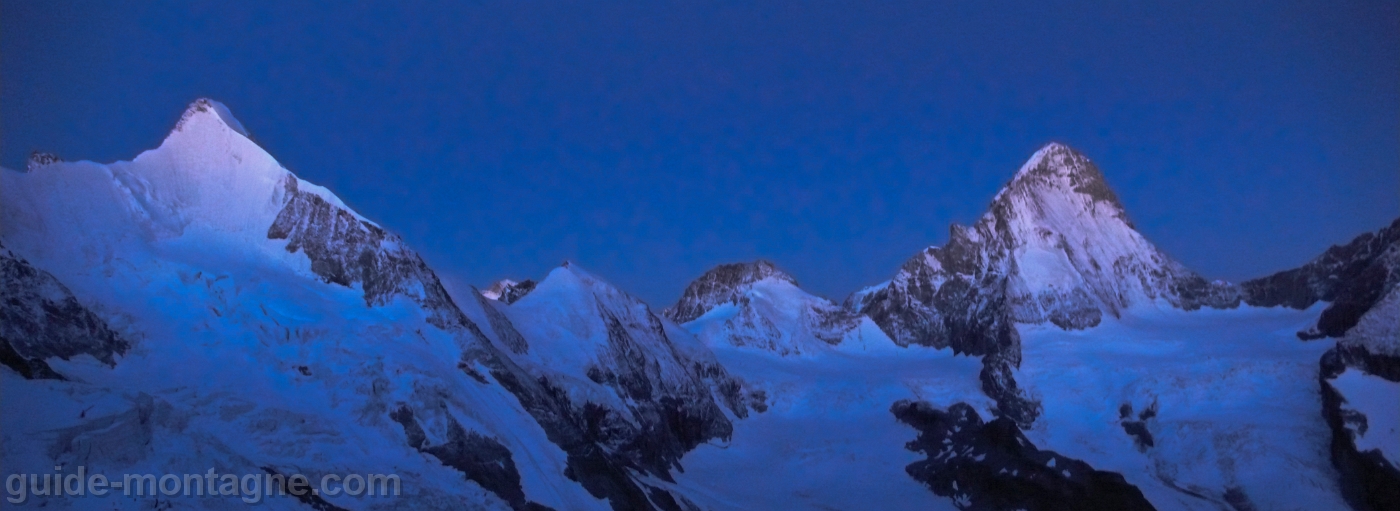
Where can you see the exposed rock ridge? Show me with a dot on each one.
(481, 459)
(346, 250)
(1353, 277)
(40, 319)
(39, 159)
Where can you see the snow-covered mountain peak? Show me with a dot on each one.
(756, 305)
(725, 283)
(1054, 246)
(571, 290)
(206, 191)
(1061, 185)
(219, 111)
(1070, 251)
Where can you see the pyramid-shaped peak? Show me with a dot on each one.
(570, 275)
(1058, 169)
(1056, 158)
(206, 106)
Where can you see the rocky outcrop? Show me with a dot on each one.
(509, 291)
(40, 319)
(1361, 280)
(481, 459)
(347, 250)
(40, 159)
(1352, 277)
(992, 465)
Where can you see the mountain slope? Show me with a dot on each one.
(626, 368)
(248, 320)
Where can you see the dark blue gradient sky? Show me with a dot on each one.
(649, 141)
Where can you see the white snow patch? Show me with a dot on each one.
(1378, 400)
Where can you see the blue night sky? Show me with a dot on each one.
(650, 141)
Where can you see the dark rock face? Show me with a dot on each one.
(481, 459)
(577, 431)
(40, 318)
(346, 250)
(518, 291)
(1353, 277)
(688, 415)
(993, 466)
(1369, 481)
(723, 284)
(674, 404)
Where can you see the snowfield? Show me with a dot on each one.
(828, 439)
(1235, 396)
(1235, 393)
